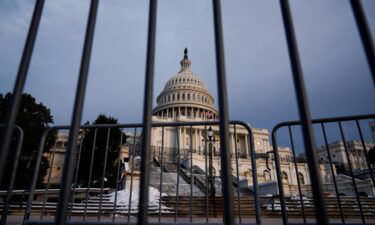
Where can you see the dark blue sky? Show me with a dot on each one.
(257, 65)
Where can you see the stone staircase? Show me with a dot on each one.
(200, 207)
(94, 205)
(294, 210)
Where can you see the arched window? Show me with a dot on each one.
(301, 178)
(284, 177)
(173, 97)
(178, 96)
(193, 96)
(169, 98)
(183, 96)
(188, 96)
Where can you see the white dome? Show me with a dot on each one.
(186, 90)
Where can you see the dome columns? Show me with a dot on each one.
(188, 111)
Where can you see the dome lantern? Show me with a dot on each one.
(185, 62)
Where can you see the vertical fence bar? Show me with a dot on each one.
(304, 113)
(48, 180)
(206, 171)
(90, 173)
(103, 175)
(13, 176)
(147, 110)
(35, 175)
(15, 101)
(365, 34)
(255, 175)
(76, 175)
(178, 173)
(297, 175)
(161, 171)
(351, 172)
(238, 176)
(333, 172)
(191, 174)
(227, 188)
(284, 214)
(365, 153)
(118, 173)
(131, 175)
(69, 162)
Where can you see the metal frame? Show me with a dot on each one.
(135, 126)
(338, 120)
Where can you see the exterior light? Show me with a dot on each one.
(210, 133)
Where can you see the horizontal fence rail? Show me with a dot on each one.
(333, 186)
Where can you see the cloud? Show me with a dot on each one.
(258, 70)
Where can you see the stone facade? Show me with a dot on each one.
(56, 157)
(338, 154)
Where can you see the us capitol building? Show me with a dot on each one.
(185, 98)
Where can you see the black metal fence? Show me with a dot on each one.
(70, 161)
(334, 189)
(180, 205)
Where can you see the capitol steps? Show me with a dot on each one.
(93, 205)
(199, 207)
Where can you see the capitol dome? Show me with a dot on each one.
(185, 94)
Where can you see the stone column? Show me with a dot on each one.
(233, 144)
(199, 138)
(182, 138)
(196, 139)
(246, 145)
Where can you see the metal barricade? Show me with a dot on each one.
(333, 203)
(194, 169)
